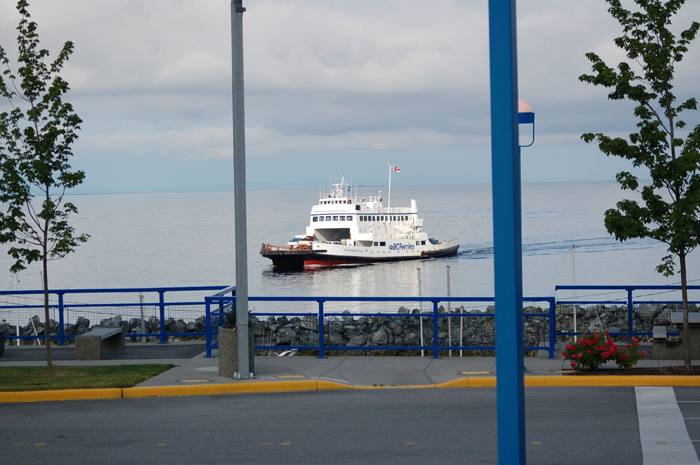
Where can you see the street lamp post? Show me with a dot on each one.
(239, 189)
(507, 232)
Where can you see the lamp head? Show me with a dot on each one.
(526, 116)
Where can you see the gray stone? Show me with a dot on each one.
(335, 339)
(359, 340)
(153, 325)
(380, 338)
(309, 323)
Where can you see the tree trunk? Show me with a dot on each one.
(47, 319)
(686, 331)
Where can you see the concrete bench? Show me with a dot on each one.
(89, 346)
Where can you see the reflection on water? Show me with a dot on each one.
(186, 239)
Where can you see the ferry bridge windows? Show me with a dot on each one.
(335, 218)
(328, 218)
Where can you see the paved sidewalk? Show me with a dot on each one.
(353, 371)
(195, 374)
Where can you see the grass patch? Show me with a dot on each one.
(76, 377)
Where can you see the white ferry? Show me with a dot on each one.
(345, 230)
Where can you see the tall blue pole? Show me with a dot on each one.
(505, 161)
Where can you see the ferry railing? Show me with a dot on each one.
(64, 311)
(432, 319)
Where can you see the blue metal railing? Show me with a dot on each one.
(217, 304)
(62, 308)
(434, 317)
(629, 302)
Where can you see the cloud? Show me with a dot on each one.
(152, 79)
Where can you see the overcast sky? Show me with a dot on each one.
(333, 87)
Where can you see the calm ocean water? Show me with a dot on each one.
(187, 239)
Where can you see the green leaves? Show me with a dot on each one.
(670, 207)
(36, 136)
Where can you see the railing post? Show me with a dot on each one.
(435, 329)
(630, 316)
(207, 316)
(162, 317)
(552, 327)
(321, 341)
(61, 332)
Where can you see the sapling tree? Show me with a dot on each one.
(37, 129)
(662, 142)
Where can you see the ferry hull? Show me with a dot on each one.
(295, 259)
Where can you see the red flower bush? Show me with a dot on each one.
(595, 349)
(630, 355)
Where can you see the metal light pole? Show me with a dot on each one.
(420, 315)
(239, 189)
(449, 312)
(507, 235)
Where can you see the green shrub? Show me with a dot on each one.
(595, 349)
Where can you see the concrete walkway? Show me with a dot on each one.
(195, 374)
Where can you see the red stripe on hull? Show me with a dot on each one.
(319, 259)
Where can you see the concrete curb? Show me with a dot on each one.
(65, 394)
(323, 385)
(573, 381)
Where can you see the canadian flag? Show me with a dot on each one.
(396, 168)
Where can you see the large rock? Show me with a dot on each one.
(380, 338)
(359, 340)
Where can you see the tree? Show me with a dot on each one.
(36, 135)
(670, 204)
